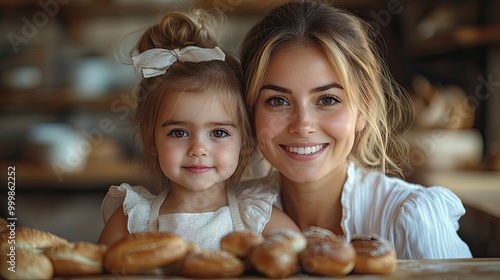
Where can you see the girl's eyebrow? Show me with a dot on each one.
(211, 124)
(314, 90)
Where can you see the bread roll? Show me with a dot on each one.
(26, 265)
(32, 239)
(240, 242)
(212, 264)
(289, 237)
(79, 258)
(144, 251)
(277, 256)
(326, 254)
(374, 255)
(174, 268)
(3, 225)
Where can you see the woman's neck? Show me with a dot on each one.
(317, 203)
(182, 200)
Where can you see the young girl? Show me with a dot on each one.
(197, 138)
(328, 117)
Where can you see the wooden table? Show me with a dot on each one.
(486, 268)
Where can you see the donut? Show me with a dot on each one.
(240, 242)
(27, 265)
(374, 255)
(78, 258)
(32, 239)
(212, 264)
(326, 254)
(143, 251)
(278, 255)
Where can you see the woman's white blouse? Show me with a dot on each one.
(421, 222)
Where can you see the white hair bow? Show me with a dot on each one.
(155, 62)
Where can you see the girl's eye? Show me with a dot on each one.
(219, 133)
(328, 101)
(178, 133)
(277, 101)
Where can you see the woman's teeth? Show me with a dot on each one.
(304, 150)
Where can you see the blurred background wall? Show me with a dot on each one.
(65, 100)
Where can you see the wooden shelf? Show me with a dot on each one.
(94, 176)
(58, 100)
(462, 38)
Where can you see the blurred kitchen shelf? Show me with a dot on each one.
(462, 38)
(94, 177)
(56, 100)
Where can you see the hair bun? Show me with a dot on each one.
(175, 30)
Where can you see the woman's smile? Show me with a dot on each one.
(304, 150)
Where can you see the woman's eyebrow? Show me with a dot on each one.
(314, 90)
(327, 87)
(276, 88)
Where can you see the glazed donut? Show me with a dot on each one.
(74, 259)
(32, 239)
(240, 242)
(144, 251)
(28, 265)
(277, 256)
(374, 255)
(326, 254)
(212, 264)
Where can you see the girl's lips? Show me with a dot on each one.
(197, 169)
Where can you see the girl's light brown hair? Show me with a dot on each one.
(176, 30)
(351, 47)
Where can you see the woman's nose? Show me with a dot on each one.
(302, 122)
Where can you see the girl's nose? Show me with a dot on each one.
(198, 149)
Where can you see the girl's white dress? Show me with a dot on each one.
(249, 209)
(421, 222)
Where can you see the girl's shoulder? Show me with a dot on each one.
(131, 198)
(254, 199)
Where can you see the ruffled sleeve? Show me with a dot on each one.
(427, 225)
(136, 202)
(255, 200)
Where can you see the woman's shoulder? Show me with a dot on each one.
(422, 217)
(376, 187)
(378, 183)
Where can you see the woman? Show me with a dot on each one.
(328, 117)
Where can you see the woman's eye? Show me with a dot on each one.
(178, 133)
(327, 101)
(219, 133)
(277, 101)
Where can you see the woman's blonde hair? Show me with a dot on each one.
(351, 48)
(176, 30)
